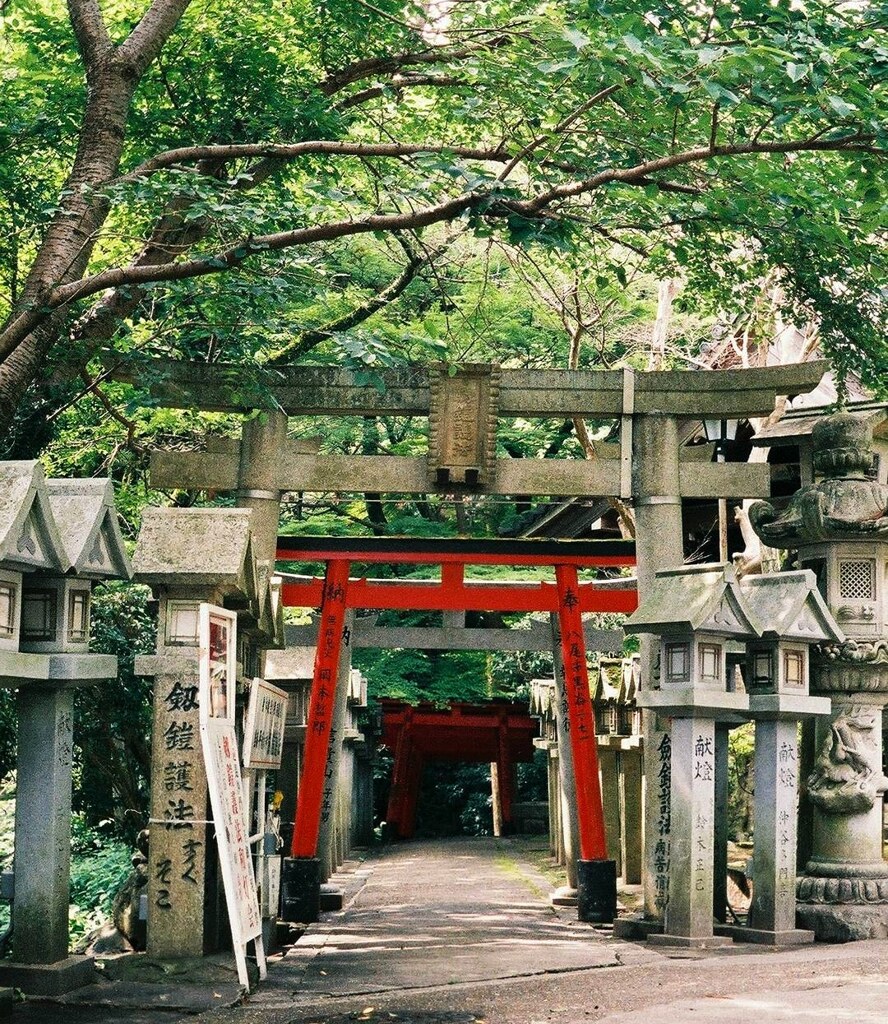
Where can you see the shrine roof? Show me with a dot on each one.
(798, 424)
(790, 606)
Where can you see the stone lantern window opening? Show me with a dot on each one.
(763, 671)
(710, 663)
(795, 674)
(78, 616)
(39, 615)
(677, 657)
(8, 608)
(181, 623)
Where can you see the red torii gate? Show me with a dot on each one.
(500, 732)
(337, 592)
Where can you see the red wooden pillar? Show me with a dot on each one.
(505, 777)
(407, 825)
(395, 812)
(320, 711)
(579, 713)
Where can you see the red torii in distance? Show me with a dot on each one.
(499, 732)
(567, 597)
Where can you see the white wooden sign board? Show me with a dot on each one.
(217, 640)
(264, 726)
(218, 636)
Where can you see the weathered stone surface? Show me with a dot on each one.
(844, 923)
(29, 538)
(199, 546)
(87, 522)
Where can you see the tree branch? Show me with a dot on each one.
(291, 151)
(147, 39)
(28, 319)
(90, 32)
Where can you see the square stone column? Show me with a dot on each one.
(773, 909)
(689, 910)
(43, 824)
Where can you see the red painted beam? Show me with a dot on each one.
(583, 745)
(320, 712)
(530, 597)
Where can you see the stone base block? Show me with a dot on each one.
(300, 889)
(596, 891)
(689, 941)
(566, 896)
(635, 928)
(330, 898)
(844, 923)
(7, 1001)
(49, 979)
(764, 937)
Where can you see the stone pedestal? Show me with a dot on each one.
(843, 894)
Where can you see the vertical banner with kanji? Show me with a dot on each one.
(320, 710)
(579, 716)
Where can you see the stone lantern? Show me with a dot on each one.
(839, 527)
(56, 538)
(795, 617)
(697, 611)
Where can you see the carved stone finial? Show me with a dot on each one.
(846, 503)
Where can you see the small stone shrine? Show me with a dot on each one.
(57, 537)
(191, 556)
(839, 527)
(697, 611)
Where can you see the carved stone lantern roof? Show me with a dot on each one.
(29, 537)
(694, 598)
(845, 505)
(84, 512)
(790, 607)
(199, 547)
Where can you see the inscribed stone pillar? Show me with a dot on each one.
(631, 803)
(773, 906)
(610, 799)
(658, 545)
(177, 849)
(570, 831)
(43, 824)
(688, 919)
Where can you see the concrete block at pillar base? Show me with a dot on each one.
(596, 891)
(301, 889)
(764, 937)
(565, 896)
(49, 979)
(696, 701)
(635, 927)
(689, 942)
(848, 923)
(330, 898)
(7, 1001)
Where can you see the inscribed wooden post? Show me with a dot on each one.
(320, 711)
(579, 715)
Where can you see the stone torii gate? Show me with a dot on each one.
(463, 406)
